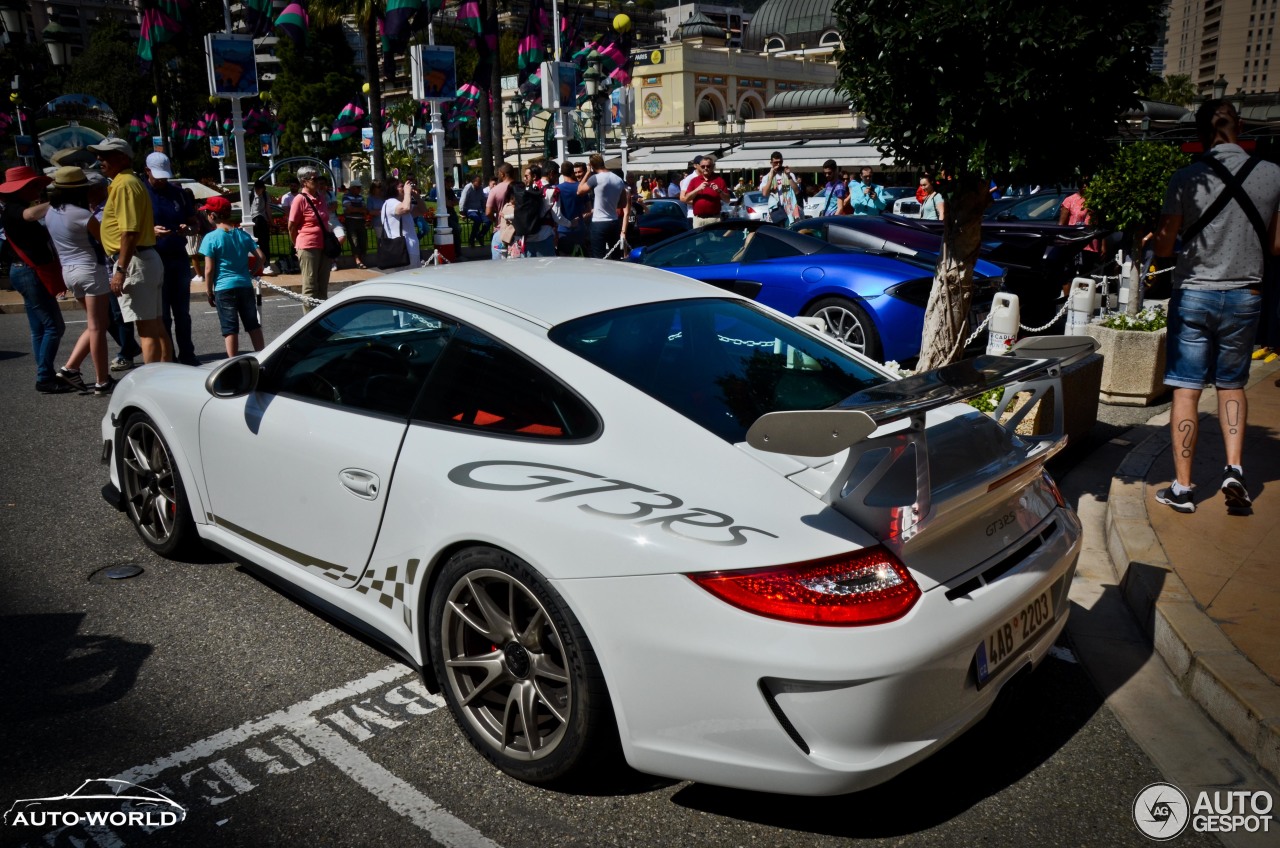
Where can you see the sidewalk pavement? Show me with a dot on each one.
(1206, 586)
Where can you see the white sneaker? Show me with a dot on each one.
(335, 267)
(195, 280)
(268, 271)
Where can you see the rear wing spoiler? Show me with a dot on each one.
(1034, 365)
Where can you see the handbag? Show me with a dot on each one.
(392, 252)
(49, 274)
(332, 247)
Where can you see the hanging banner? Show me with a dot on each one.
(217, 147)
(157, 144)
(233, 68)
(366, 140)
(432, 72)
(25, 146)
(268, 142)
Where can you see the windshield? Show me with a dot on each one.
(721, 363)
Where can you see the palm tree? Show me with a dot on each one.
(366, 14)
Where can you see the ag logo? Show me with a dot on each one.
(1161, 811)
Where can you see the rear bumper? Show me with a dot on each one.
(708, 692)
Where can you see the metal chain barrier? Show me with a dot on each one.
(301, 298)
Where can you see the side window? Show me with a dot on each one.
(712, 247)
(484, 385)
(369, 356)
(761, 246)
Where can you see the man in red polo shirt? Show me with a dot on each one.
(705, 193)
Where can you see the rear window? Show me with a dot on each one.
(721, 363)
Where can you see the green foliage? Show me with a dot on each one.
(995, 86)
(1128, 192)
(1148, 320)
(1175, 88)
(986, 402)
(315, 82)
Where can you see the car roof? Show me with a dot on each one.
(554, 290)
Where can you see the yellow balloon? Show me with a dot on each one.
(365, 88)
(155, 99)
(13, 98)
(621, 23)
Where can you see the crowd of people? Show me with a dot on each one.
(120, 245)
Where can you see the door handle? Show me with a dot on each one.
(361, 483)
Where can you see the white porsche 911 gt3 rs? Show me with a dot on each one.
(601, 505)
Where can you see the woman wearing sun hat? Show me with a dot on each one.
(26, 246)
(75, 233)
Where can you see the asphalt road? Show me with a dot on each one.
(271, 724)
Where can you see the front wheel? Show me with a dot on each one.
(516, 668)
(152, 488)
(849, 323)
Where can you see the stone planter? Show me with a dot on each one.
(1132, 367)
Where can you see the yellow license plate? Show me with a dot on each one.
(1006, 641)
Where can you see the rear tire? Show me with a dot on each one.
(516, 669)
(152, 488)
(849, 323)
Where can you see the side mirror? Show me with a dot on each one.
(234, 378)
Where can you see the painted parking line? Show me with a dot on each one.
(327, 727)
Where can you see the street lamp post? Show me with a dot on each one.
(11, 12)
(593, 80)
(517, 123)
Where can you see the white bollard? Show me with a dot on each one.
(1084, 301)
(1002, 329)
(1126, 283)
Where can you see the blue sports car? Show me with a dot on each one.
(872, 301)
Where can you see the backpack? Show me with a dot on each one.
(528, 217)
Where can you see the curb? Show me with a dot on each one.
(1231, 690)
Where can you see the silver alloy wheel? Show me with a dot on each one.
(149, 482)
(845, 326)
(506, 664)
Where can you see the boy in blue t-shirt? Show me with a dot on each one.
(227, 278)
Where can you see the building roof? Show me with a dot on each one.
(794, 21)
(808, 100)
(699, 25)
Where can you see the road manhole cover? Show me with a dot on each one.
(112, 573)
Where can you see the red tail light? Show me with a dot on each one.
(1053, 487)
(865, 587)
(649, 231)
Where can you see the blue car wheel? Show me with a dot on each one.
(849, 323)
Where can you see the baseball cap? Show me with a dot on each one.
(113, 145)
(217, 204)
(159, 166)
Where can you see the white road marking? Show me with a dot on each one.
(400, 796)
(206, 748)
(302, 723)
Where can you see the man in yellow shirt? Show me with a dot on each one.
(129, 237)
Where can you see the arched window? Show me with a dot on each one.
(774, 44)
(830, 39)
(706, 110)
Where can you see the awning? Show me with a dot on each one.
(808, 155)
(648, 159)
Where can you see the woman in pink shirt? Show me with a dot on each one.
(308, 220)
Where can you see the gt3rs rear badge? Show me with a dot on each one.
(513, 476)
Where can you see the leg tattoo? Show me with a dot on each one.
(1233, 417)
(1187, 427)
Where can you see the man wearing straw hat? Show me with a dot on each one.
(129, 237)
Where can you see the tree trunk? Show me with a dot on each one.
(946, 318)
(1136, 273)
(372, 73)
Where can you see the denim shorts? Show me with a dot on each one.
(238, 301)
(1211, 338)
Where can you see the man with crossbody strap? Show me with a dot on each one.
(1225, 208)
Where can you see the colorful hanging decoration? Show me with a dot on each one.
(530, 53)
(160, 21)
(256, 15)
(294, 23)
(348, 123)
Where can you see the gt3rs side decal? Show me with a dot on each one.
(515, 476)
(329, 570)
